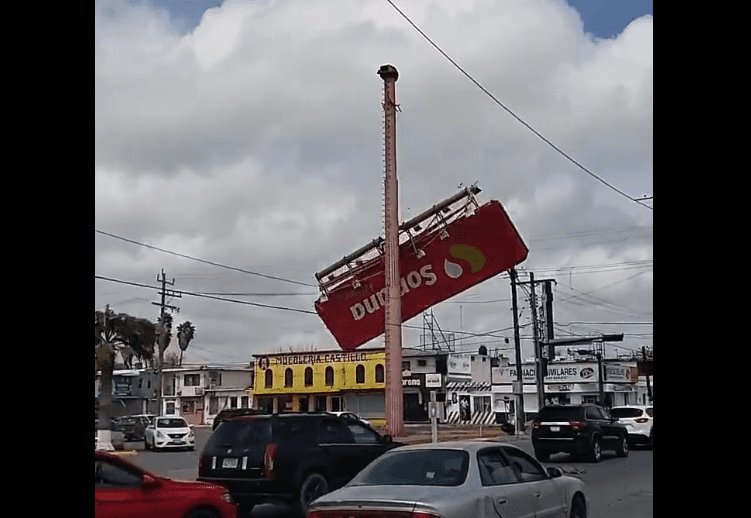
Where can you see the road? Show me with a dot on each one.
(616, 487)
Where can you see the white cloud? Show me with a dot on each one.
(255, 141)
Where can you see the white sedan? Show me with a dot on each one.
(169, 432)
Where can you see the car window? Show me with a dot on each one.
(494, 469)
(334, 431)
(558, 413)
(528, 469)
(362, 434)
(171, 422)
(424, 467)
(593, 412)
(649, 412)
(108, 475)
(625, 412)
(241, 434)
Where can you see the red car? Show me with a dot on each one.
(123, 490)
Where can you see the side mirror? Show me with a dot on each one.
(554, 472)
(149, 481)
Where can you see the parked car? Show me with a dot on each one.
(288, 458)
(122, 490)
(169, 433)
(580, 430)
(638, 419)
(225, 414)
(456, 479)
(133, 426)
(351, 415)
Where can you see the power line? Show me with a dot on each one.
(514, 115)
(193, 294)
(212, 263)
(608, 323)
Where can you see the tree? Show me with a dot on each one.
(112, 333)
(185, 334)
(171, 359)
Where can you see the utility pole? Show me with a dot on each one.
(536, 339)
(519, 388)
(547, 300)
(163, 333)
(649, 386)
(393, 314)
(599, 346)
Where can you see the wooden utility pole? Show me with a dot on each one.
(519, 387)
(163, 333)
(393, 313)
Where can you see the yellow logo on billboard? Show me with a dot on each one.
(468, 253)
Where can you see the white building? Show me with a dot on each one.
(569, 383)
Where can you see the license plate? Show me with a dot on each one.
(555, 428)
(229, 463)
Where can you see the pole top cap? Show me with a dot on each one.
(388, 72)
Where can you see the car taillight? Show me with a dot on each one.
(577, 425)
(268, 460)
(535, 425)
(642, 420)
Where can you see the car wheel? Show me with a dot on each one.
(622, 450)
(542, 456)
(313, 486)
(203, 513)
(595, 453)
(578, 508)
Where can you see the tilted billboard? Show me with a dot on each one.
(434, 266)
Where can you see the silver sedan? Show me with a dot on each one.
(457, 479)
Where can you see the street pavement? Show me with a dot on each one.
(616, 487)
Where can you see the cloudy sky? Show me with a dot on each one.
(249, 134)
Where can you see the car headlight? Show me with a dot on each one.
(160, 435)
(227, 498)
(191, 434)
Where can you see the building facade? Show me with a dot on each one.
(328, 381)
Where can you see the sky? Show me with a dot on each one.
(248, 134)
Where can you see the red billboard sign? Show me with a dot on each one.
(433, 266)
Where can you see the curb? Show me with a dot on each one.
(121, 453)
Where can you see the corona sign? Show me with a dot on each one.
(434, 266)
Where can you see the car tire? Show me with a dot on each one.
(578, 508)
(154, 446)
(313, 486)
(622, 449)
(542, 456)
(202, 513)
(595, 452)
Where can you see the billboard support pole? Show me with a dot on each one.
(393, 324)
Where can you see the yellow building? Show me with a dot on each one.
(329, 381)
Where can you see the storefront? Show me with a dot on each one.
(569, 383)
(322, 381)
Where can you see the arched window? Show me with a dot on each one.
(288, 377)
(360, 374)
(329, 376)
(308, 376)
(379, 373)
(269, 378)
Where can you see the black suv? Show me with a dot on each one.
(227, 413)
(288, 458)
(581, 430)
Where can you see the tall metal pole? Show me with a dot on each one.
(393, 324)
(538, 353)
(520, 416)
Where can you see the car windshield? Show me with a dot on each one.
(429, 467)
(171, 422)
(625, 412)
(559, 413)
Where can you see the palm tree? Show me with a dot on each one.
(113, 332)
(185, 334)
